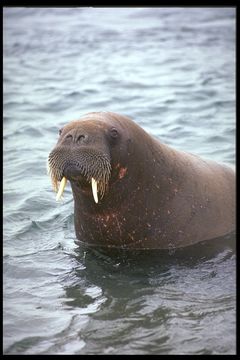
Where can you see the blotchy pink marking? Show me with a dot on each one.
(122, 172)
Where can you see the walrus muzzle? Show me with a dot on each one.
(84, 165)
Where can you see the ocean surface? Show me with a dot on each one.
(172, 70)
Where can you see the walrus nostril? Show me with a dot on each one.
(80, 138)
(77, 139)
(69, 136)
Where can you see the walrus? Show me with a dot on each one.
(132, 191)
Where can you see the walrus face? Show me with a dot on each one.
(82, 155)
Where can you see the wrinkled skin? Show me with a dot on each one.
(153, 196)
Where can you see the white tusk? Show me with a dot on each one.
(61, 188)
(48, 167)
(94, 190)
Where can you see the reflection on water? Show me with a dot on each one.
(136, 292)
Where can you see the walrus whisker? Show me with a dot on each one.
(95, 168)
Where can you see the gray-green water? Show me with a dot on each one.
(173, 71)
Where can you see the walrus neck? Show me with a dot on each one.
(131, 181)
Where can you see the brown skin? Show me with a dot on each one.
(156, 197)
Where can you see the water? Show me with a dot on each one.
(173, 71)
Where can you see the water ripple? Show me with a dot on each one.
(172, 70)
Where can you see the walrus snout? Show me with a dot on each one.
(81, 164)
(73, 171)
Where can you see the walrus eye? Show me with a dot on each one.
(60, 132)
(114, 133)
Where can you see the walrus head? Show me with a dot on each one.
(83, 155)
